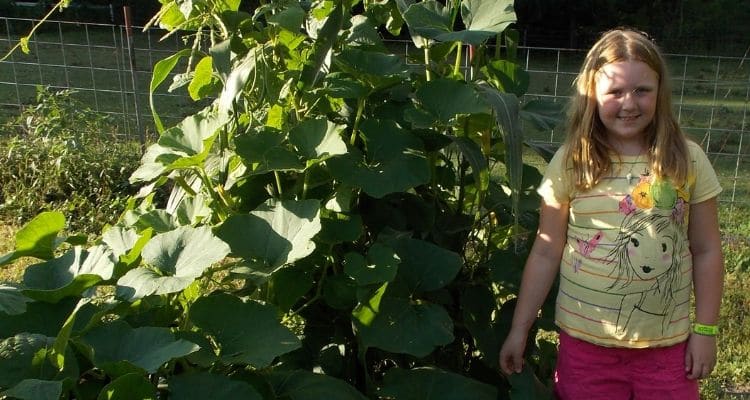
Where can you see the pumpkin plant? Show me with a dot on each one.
(343, 222)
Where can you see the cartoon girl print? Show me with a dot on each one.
(647, 252)
(647, 255)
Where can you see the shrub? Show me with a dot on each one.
(60, 155)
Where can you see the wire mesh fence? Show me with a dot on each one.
(711, 94)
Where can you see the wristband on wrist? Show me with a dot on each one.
(705, 330)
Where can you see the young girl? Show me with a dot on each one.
(629, 222)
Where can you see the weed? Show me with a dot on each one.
(60, 155)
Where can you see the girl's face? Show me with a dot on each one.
(626, 93)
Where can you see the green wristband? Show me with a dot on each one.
(705, 330)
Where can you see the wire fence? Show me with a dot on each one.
(711, 94)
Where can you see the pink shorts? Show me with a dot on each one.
(591, 372)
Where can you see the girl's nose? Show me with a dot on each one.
(628, 100)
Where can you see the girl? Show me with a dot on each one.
(629, 223)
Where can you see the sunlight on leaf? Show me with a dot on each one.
(24, 41)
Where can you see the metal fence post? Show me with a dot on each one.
(133, 79)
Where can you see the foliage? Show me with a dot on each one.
(60, 155)
(341, 221)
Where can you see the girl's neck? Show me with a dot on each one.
(628, 148)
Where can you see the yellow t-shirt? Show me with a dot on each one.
(626, 271)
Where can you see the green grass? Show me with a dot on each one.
(14, 271)
(731, 377)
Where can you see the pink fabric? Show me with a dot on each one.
(591, 372)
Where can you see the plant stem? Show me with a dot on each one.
(457, 63)
(428, 74)
(278, 183)
(60, 4)
(357, 118)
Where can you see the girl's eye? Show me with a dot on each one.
(634, 241)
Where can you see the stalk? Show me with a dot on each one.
(428, 74)
(457, 63)
(360, 109)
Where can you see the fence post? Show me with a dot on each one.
(131, 56)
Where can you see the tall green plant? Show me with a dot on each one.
(341, 224)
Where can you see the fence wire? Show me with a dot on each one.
(711, 94)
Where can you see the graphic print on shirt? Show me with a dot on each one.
(585, 248)
(647, 252)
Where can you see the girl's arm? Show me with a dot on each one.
(539, 273)
(708, 277)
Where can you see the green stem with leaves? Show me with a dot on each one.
(23, 43)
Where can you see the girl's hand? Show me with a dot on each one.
(700, 356)
(511, 354)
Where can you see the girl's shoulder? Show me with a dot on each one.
(696, 154)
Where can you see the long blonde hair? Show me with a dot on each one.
(587, 146)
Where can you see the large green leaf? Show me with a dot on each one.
(35, 389)
(365, 34)
(200, 386)
(507, 76)
(170, 15)
(425, 266)
(12, 301)
(380, 265)
(118, 349)
(266, 151)
(290, 17)
(483, 19)
(400, 326)
(120, 240)
(24, 356)
(173, 261)
(305, 385)
(395, 161)
(203, 82)
(131, 386)
(318, 139)
(275, 233)
(126, 244)
(182, 146)
(448, 98)
(68, 275)
(339, 227)
(40, 317)
(245, 332)
(38, 238)
(338, 86)
(427, 19)
(372, 66)
(433, 384)
(161, 71)
(290, 283)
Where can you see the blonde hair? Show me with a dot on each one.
(587, 146)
